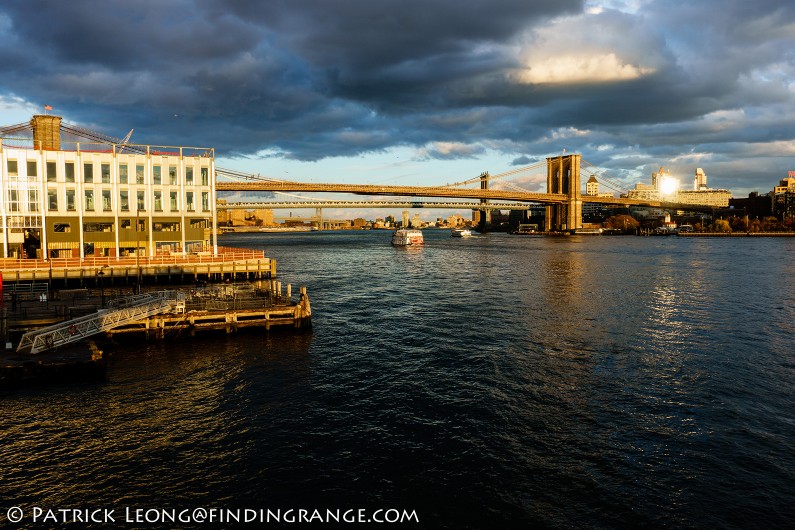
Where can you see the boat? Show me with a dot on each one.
(588, 231)
(526, 229)
(405, 237)
(460, 232)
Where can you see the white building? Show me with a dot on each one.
(664, 187)
(94, 197)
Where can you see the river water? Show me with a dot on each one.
(491, 382)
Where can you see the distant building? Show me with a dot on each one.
(785, 185)
(665, 188)
(700, 182)
(783, 199)
(456, 220)
(755, 206)
(91, 195)
(592, 188)
(644, 192)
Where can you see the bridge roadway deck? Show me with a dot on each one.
(443, 191)
(292, 205)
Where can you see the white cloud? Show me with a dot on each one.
(582, 69)
(15, 109)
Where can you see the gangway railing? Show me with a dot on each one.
(131, 309)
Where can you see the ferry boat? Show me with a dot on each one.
(405, 237)
(460, 232)
(588, 231)
(526, 229)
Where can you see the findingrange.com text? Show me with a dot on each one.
(60, 516)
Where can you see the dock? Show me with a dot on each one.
(54, 335)
(230, 263)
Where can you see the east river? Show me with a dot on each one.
(490, 382)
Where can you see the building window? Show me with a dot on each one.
(189, 201)
(70, 200)
(189, 176)
(63, 228)
(139, 174)
(69, 171)
(173, 201)
(206, 201)
(52, 200)
(141, 203)
(105, 170)
(97, 227)
(89, 201)
(33, 200)
(156, 175)
(13, 169)
(125, 223)
(172, 175)
(158, 201)
(205, 176)
(166, 227)
(52, 172)
(124, 201)
(88, 173)
(106, 200)
(13, 200)
(33, 170)
(123, 173)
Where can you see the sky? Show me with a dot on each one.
(421, 92)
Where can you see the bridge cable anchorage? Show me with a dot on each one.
(126, 311)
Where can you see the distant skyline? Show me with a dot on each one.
(420, 91)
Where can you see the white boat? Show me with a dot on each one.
(405, 237)
(460, 232)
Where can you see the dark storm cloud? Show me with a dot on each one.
(309, 79)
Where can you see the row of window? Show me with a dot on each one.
(66, 228)
(89, 170)
(106, 205)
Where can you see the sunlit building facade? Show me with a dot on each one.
(96, 198)
(664, 187)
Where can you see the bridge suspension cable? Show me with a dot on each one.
(477, 179)
(611, 182)
(240, 175)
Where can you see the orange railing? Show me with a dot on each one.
(225, 255)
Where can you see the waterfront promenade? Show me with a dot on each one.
(230, 263)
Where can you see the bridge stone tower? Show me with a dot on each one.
(484, 221)
(563, 176)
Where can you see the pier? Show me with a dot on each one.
(58, 332)
(230, 263)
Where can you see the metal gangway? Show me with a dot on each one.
(123, 311)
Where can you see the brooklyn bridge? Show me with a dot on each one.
(563, 198)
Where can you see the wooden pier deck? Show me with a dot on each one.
(229, 263)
